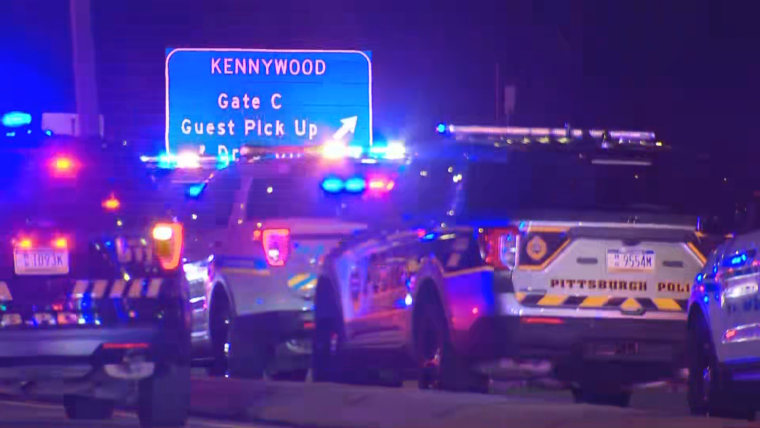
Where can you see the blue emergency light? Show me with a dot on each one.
(355, 185)
(332, 185)
(16, 119)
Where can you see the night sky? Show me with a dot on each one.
(687, 70)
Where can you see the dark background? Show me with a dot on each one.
(685, 69)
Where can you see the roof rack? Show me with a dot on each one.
(527, 135)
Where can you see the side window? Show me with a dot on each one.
(213, 208)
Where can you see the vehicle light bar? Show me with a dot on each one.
(512, 130)
(185, 160)
(16, 119)
(542, 134)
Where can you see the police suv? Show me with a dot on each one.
(576, 248)
(92, 300)
(724, 329)
(257, 232)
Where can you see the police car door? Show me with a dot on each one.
(389, 281)
(736, 327)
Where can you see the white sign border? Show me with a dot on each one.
(169, 55)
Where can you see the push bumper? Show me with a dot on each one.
(640, 350)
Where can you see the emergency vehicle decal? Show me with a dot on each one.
(133, 289)
(304, 281)
(98, 289)
(602, 302)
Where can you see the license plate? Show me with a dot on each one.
(41, 262)
(630, 261)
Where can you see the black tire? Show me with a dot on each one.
(221, 336)
(620, 398)
(87, 408)
(708, 392)
(164, 398)
(328, 336)
(441, 367)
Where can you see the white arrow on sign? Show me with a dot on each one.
(347, 125)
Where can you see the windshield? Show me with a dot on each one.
(562, 182)
(279, 192)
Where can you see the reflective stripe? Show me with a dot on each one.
(80, 287)
(118, 288)
(5, 293)
(136, 289)
(154, 287)
(667, 304)
(594, 301)
(309, 285)
(601, 302)
(630, 304)
(295, 279)
(99, 288)
(552, 300)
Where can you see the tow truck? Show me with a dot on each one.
(93, 303)
(567, 252)
(258, 229)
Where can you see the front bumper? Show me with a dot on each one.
(648, 349)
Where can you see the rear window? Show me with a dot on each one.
(296, 190)
(667, 183)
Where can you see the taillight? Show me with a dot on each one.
(111, 204)
(380, 184)
(24, 243)
(64, 166)
(168, 239)
(60, 243)
(276, 244)
(498, 247)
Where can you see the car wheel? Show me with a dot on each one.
(221, 332)
(441, 367)
(708, 393)
(80, 407)
(164, 398)
(325, 347)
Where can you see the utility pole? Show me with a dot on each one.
(85, 87)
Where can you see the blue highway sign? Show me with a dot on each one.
(220, 99)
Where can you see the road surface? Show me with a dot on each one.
(227, 403)
(26, 414)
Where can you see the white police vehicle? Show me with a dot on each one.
(576, 248)
(724, 331)
(257, 233)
